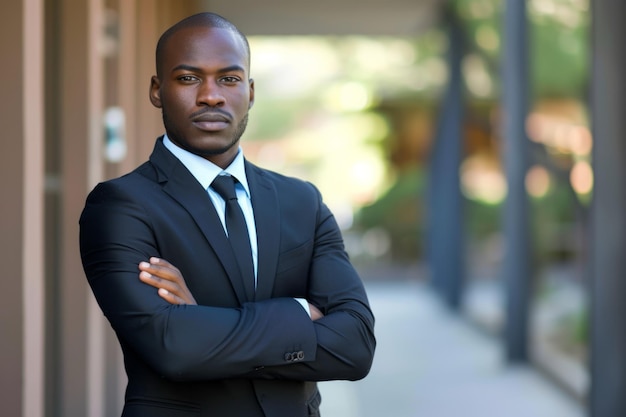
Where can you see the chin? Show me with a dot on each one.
(215, 149)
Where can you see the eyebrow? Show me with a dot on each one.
(185, 67)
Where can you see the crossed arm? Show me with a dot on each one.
(171, 286)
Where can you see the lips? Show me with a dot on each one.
(210, 122)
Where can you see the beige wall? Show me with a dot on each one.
(58, 356)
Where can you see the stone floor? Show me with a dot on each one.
(433, 363)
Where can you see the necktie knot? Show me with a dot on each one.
(225, 187)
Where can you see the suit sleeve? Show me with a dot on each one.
(345, 335)
(180, 342)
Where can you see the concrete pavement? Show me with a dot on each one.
(433, 363)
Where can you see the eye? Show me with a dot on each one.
(188, 78)
(229, 79)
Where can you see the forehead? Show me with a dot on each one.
(201, 44)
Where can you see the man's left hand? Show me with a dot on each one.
(165, 277)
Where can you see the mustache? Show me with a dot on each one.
(211, 111)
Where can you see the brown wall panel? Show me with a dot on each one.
(12, 185)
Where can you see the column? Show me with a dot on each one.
(608, 223)
(445, 234)
(516, 271)
(21, 179)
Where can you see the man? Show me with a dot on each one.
(207, 327)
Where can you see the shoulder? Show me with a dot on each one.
(135, 183)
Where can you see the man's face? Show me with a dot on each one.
(204, 91)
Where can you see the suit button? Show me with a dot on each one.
(300, 355)
(289, 356)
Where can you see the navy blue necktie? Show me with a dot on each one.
(237, 230)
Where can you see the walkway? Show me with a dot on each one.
(432, 363)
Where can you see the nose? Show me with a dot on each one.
(209, 94)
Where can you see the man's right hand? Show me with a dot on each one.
(316, 314)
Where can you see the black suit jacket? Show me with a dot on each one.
(227, 356)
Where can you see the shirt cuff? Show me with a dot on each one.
(305, 305)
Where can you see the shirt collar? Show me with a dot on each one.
(206, 171)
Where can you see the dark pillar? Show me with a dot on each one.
(445, 200)
(516, 226)
(608, 222)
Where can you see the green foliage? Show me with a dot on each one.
(557, 41)
(400, 213)
(558, 59)
(554, 217)
(482, 220)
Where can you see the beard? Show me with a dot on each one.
(177, 138)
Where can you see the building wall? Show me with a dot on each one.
(58, 355)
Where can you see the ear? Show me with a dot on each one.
(155, 92)
(251, 81)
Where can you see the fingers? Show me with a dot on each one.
(167, 279)
(169, 297)
(166, 289)
(161, 268)
(162, 263)
(157, 282)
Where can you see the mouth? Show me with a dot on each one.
(210, 121)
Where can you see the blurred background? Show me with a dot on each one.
(452, 139)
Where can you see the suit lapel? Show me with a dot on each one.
(183, 187)
(267, 219)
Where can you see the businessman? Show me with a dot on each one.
(212, 323)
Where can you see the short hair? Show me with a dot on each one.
(205, 19)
